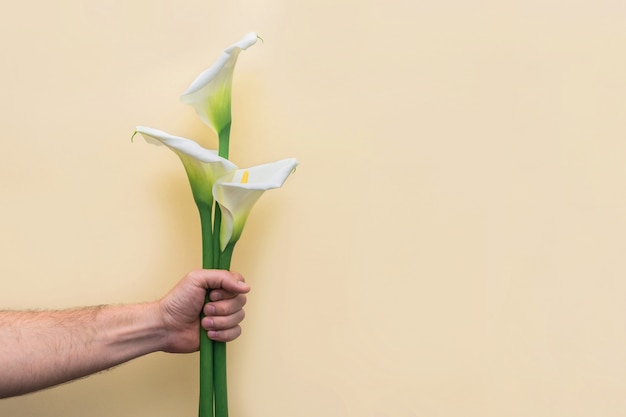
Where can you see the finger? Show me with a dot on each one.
(220, 294)
(236, 284)
(223, 322)
(225, 307)
(224, 335)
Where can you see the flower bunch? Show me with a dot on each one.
(224, 195)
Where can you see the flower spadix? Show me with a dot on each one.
(210, 93)
(237, 191)
(203, 166)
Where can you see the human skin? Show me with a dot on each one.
(40, 349)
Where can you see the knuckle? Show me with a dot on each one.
(194, 275)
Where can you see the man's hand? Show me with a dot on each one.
(40, 349)
(180, 309)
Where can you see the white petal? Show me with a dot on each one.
(237, 199)
(183, 145)
(205, 77)
(261, 177)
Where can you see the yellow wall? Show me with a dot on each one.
(451, 245)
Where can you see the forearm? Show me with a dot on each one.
(42, 349)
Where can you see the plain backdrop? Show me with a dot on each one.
(452, 243)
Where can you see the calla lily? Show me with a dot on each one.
(224, 195)
(210, 93)
(203, 166)
(237, 191)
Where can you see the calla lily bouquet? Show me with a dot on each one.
(224, 195)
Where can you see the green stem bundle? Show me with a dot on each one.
(213, 383)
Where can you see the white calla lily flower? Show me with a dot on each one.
(203, 166)
(210, 93)
(236, 193)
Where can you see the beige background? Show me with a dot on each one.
(451, 245)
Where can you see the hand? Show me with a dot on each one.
(180, 309)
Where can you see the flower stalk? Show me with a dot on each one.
(207, 367)
(220, 381)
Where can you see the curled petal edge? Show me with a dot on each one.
(207, 75)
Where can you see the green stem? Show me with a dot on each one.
(221, 262)
(216, 236)
(207, 388)
(226, 256)
(219, 352)
(219, 382)
(206, 224)
(206, 345)
(224, 139)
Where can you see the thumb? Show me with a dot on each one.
(219, 278)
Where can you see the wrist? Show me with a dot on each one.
(139, 330)
(179, 328)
